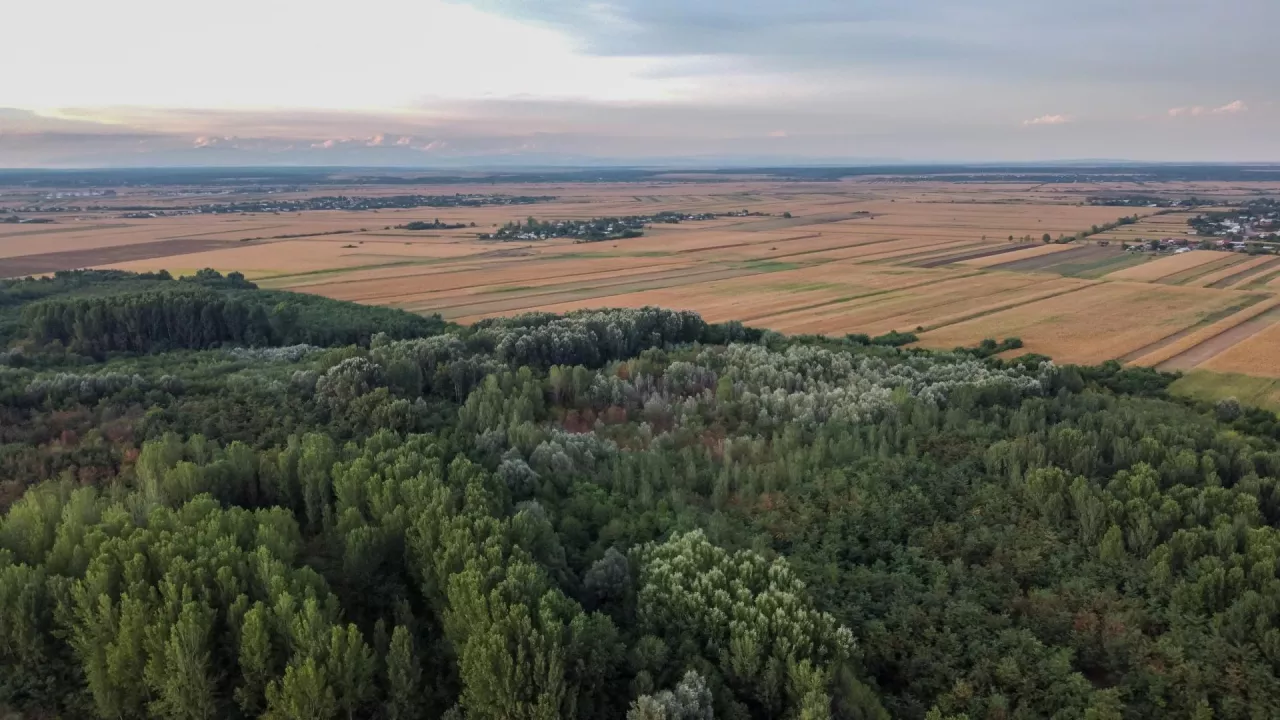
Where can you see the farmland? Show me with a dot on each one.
(952, 261)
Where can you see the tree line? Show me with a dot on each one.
(208, 311)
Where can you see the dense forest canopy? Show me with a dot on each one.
(221, 501)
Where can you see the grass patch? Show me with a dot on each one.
(1097, 268)
(771, 265)
(1241, 277)
(1260, 281)
(1228, 311)
(1213, 386)
(509, 289)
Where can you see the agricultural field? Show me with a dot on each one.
(954, 262)
(1208, 386)
(1171, 266)
(1103, 321)
(1256, 354)
(1156, 225)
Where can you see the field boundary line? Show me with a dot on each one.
(1212, 348)
(1260, 282)
(887, 257)
(1169, 274)
(431, 262)
(46, 230)
(992, 310)
(615, 290)
(504, 258)
(1245, 274)
(935, 303)
(691, 251)
(1164, 354)
(1199, 271)
(951, 258)
(929, 251)
(851, 298)
(602, 282)
(840, 247)
(587, 283)
(1209, 320)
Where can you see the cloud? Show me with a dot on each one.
(205, 141)
(1231, 108)
(987, 42)
(778, 134)
(1048, 120)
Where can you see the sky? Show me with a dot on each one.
(424, 83)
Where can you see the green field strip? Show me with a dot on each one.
(1098, 268)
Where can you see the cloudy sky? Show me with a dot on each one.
(450, 82)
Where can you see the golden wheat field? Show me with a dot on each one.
(1167, 266)
(1100, 322)
(1257, 354)
(955, 262)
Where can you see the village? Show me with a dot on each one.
(1143, 201)
(600, 229)
(323, 202)
(1254, 228)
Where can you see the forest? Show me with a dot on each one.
(225, 502)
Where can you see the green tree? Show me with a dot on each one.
(255, 657)
(690, 700)
(404, 677)
(303, 694)
(314, 465)
(350, 669)
(180, 677)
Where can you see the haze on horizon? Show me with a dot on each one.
(448, 82)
